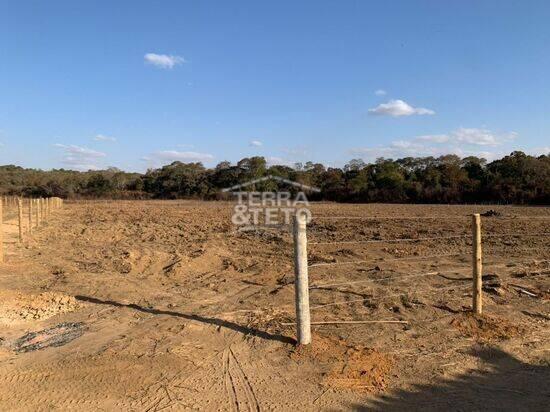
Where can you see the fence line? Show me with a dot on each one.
(390, 217)
(383, 260)
(42, 207)
(373, 297)
(389, 240)
(423, 217)
(476, 266)
(519, 234)
(414, 275)
(437, 273)
(424, 238)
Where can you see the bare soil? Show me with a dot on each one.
(150, 305)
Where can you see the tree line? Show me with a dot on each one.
(517, 178)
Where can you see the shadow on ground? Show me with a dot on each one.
(509, 385)
(211, 321)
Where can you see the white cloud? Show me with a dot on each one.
(103, 138)
(163, 61)
(173, 155)
(538, 151)
(256, 143)
(80, 158)
(297, 152)
(278, 161)
(434, 138)
(380, 92)
(417, 150)
(462, 142)
(472, 136)
(481, 137)
(398, 108)
(402, 144)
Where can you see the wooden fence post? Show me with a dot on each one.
(301, 282)
(477, 264)
(20, 218)
(30, 215)
(39, 211)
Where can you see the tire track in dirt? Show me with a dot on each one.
(68, 385)
(237, 385)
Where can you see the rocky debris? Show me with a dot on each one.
(491, 284)
(16, 307)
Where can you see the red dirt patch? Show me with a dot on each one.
(348, 367)
(485, 328)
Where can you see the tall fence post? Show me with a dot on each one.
(39, 211)
(477, 264)
(301, 283)
(20, 218)
(30, 215)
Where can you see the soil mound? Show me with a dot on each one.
(485, 328)
(347, 367)
(15, 307)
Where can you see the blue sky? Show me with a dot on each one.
(137, 84)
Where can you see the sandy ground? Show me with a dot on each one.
(155, 306)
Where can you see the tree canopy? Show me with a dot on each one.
(517, 178)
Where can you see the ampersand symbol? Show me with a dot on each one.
(240, 217)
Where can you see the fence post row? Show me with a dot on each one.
(301, 283)
(477, 269)
(38, 210)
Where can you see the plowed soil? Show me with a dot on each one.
(174, 308)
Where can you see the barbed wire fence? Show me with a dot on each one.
(302, 266)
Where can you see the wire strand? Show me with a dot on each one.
(424, 217)
(427, 238)
(369, 298)
(382, 260)
(415, 275)
(390, 217)
(456, 270)
(390, 240)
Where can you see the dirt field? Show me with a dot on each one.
(155, 306)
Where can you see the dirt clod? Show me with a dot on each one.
(347, 367)
(485, 328)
